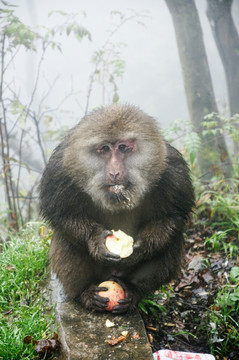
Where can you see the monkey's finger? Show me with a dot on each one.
(107, 233)
(101, 288)
(110, 257)
(99, 302)
(98, 307)
(136, 246)
(120, 309)
(102, 299)
(124, 301)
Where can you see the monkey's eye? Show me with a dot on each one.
(103, 149)
(123, 148)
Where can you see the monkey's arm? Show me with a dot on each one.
(89, 236)
(154, 237)
(68, 211)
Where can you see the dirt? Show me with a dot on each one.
(184, 325)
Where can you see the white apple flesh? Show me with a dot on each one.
(119, 243)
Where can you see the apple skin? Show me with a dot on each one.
(115, 292)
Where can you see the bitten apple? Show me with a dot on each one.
(115, 292)
(119, 243)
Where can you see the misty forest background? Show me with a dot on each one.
(176, 59)
(32, 123)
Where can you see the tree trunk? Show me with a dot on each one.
(198, 83)
(227, 40)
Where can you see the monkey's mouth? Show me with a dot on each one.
(116, 189)
(120, 194)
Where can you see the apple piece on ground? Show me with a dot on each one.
(119, 243)
(115, 292)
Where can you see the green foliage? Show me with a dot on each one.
(215, 123)
(181, 134)
(15, 31)
(197, 143)
(217, 242)
(23, 306)
(70, 26)
(150, 304)
(224, 335)
(234, 275)
(219, 206)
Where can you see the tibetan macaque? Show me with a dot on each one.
(115, 171)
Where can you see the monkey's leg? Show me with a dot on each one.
(73, 267)
(151, 274)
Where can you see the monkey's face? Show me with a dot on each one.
(118, 173)
(115, 156)
(117, 189)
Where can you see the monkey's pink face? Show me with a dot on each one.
(116, 182)
(114, 157)
(117, 185)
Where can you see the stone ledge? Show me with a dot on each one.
(83, 333)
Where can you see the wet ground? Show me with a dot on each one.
(184, 325)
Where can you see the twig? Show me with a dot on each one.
(5, 150)
(26, 116)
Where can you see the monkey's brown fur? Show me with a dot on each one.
(152, 206)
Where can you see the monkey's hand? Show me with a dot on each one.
(124, 304)
(99, 252)
(135, 257)
(99, 303)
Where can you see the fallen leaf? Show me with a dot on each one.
(116, 341)
(45, 347)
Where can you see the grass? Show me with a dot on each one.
(23, 306)
(221, 209)
(224, 318)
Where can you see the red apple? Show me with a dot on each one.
(115, 292)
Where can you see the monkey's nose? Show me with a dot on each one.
(114, 176)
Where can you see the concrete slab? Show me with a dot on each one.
(83, 333)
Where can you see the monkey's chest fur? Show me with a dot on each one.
(127, 221)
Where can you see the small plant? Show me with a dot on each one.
(23, 306)
(182, 134)
(152, 303)
(218, 206)
(218, 242)
(215, 242)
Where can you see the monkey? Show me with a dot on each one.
(114, 170)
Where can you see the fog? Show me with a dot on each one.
(58, 88)
(152, 77)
